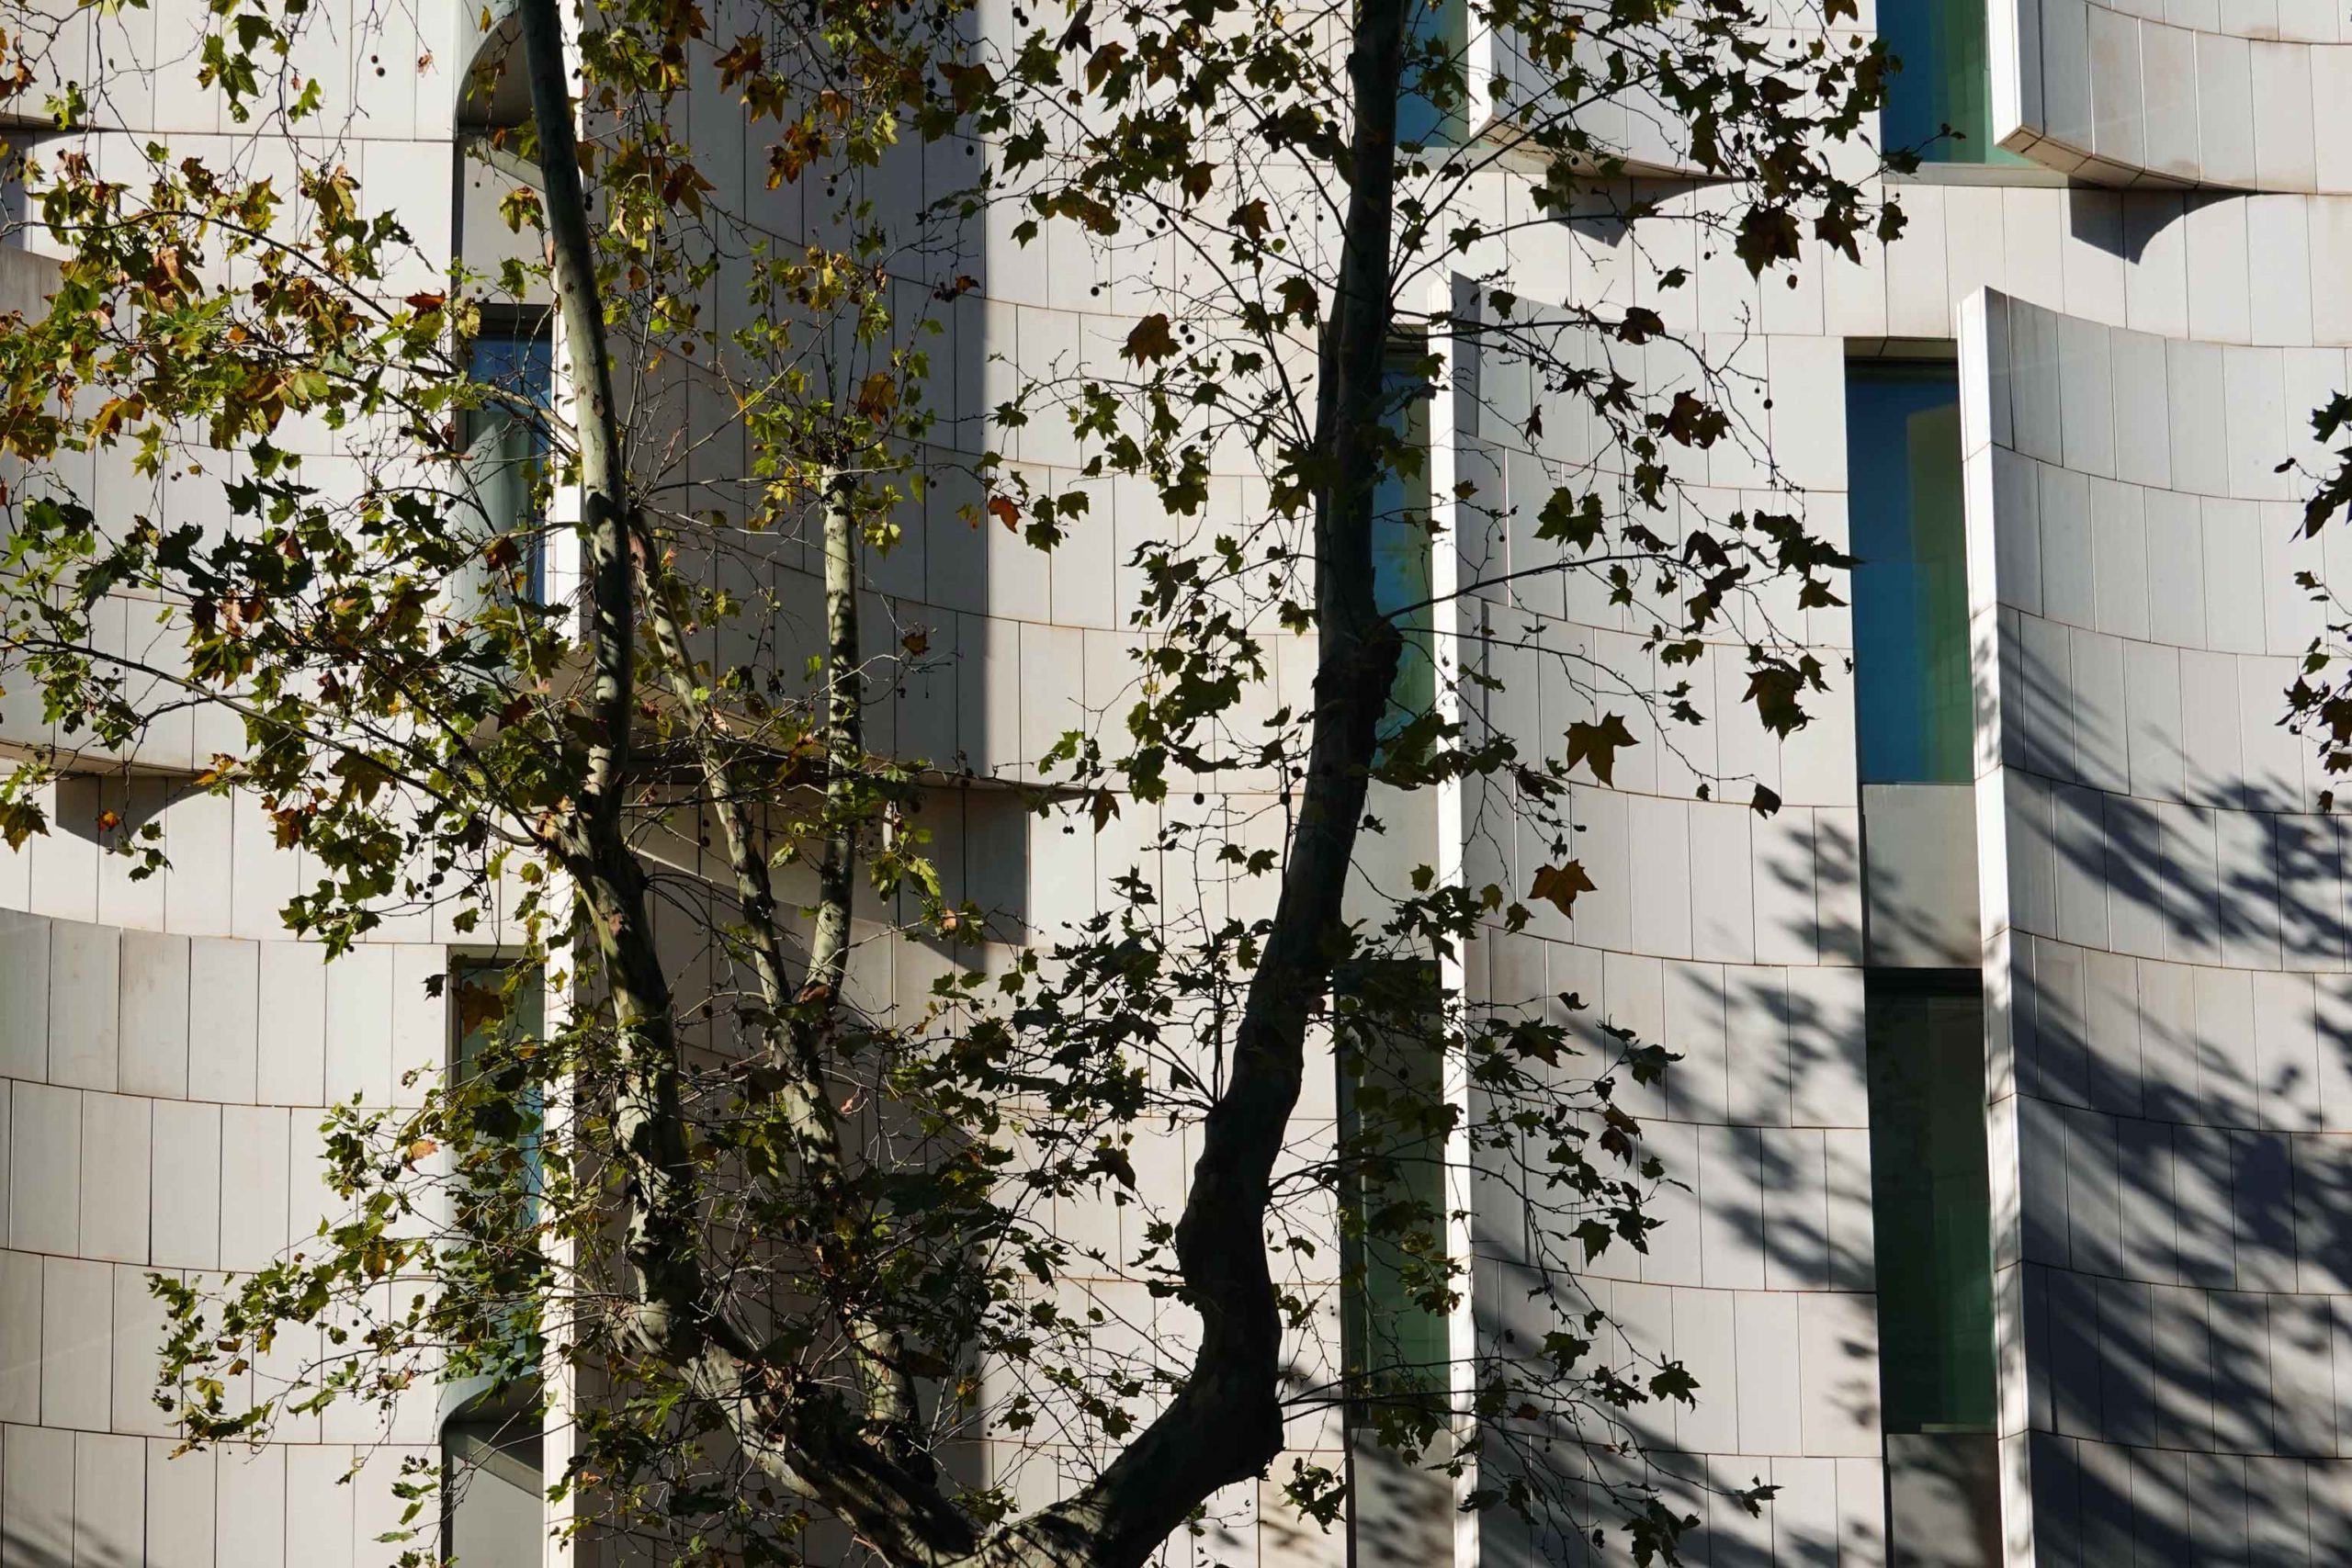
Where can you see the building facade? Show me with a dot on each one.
(2014, 1108)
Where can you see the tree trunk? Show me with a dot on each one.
(1227, 1425)
(810, 1444)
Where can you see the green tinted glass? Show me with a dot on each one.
(489, 1010)
(1931, 1203)
(1401, 583)
(1392, 1120)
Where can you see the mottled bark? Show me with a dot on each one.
(808, 1440)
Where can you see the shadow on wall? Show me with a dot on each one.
(2185, 1163)
(25, 1552)
(1765, 1120)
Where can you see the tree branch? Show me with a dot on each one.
(1226, 1425)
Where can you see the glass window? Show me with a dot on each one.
(1914, 714)
(507, 444)
(1438, 42)
(1946, 81)
(1401, 582)
(488, 1012)
(1931, 1199)
(1393, 1121)
(493, 1486)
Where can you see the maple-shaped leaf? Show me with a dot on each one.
(1766, 802)
(1007, 511)
(1597, 745)
(878, 395)
(1152, 340)
(479, 1008)
(1571, 516)
(1559, 884)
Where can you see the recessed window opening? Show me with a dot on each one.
(1390, 1025)
(493, 1485)
(1931, 1198)
(506, 437)
(1913, 704)
(493, 1475)
(1946, 81)
(1402, 580)
(1437, 46)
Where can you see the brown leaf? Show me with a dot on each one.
(1150, 340)
(1007, 511)
(478, 1006)
(1559, 884)
(878, 395)
(1597, 745)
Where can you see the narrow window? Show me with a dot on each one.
(1913, 715)
(493, 1482)
(506, 438)
(493, 1486)
(1931, 1201)
(1931, 1215)
(1430, 111)
(1393, 1128)
(1401, 574)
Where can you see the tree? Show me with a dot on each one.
(781, 1256)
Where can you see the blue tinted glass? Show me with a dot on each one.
(1910, 588)
(520, 361)
(1401, 547)
(1946, 80)
(1438, 30)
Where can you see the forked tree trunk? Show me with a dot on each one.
(1226, 1425)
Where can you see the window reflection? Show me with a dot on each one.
(506, 439)
(1946, 82)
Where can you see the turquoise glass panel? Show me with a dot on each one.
(1946, 82)
(1401, 582)
(1438, 39)
(1912, 710)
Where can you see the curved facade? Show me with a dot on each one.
(2239, 98)
(2154, 910)
(167, 1051)
(1734, 939)
(2165, 959)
